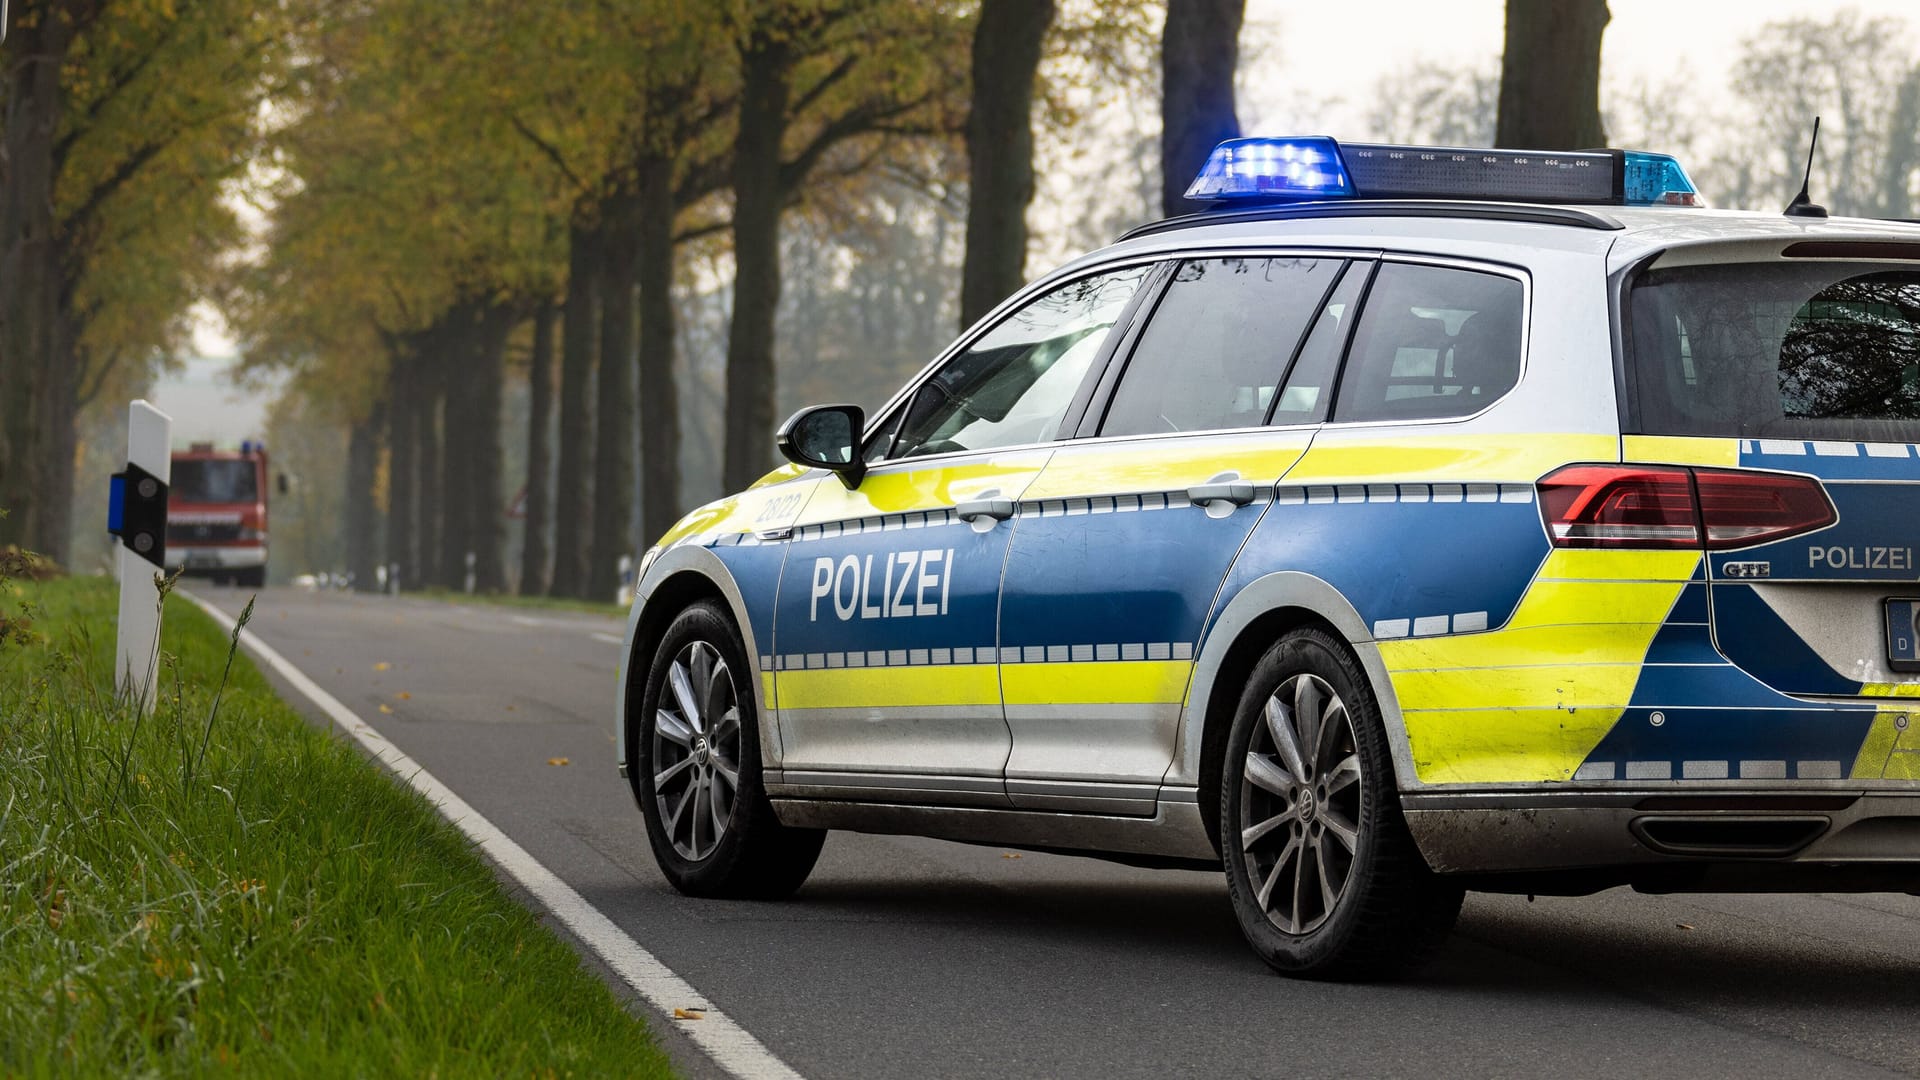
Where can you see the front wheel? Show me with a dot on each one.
(1324, 877)
(697, 769)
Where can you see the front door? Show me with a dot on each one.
(887, 679)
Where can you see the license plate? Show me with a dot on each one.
(202, 562)
(1903, 634)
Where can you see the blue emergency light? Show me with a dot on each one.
(1317, 167)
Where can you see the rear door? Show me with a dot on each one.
(1123, 540)
(1811, 368)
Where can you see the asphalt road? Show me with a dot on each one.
(904, 957)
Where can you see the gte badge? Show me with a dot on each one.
(1903, 635)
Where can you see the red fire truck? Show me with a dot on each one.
(217, 513)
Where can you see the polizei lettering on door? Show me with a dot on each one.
(908, 583)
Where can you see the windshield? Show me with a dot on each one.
(1823, 350)
(214, 481)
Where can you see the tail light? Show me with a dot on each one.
(1661, 506)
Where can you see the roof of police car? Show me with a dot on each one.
(1620, 233)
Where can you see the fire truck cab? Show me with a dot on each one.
(217, 514)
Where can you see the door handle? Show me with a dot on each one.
(1222, 494)
(982, 513)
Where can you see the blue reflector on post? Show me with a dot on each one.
(1296, 168)
(1656, 180)
(116, 502)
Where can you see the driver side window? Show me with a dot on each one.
(1012, 387)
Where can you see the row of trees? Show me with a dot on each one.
(602, 218)
(123, 124)
(437, 223)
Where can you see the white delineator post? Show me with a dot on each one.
(150, 446)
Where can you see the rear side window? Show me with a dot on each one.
(1218, 344)
(1432, 342)
(1778, 350)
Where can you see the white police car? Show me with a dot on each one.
(1418, 520)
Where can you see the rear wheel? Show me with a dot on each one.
(1325, 879)
(697, 769)
(251, 578)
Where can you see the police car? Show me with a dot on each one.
(1413, 521)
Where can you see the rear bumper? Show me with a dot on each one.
(1729, 838)
(210, 557)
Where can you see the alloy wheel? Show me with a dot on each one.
(1301, 797)
(696, 751)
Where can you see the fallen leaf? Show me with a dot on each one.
(559, 761)
(382, 666)
(1011, 855)
(689, 1014)
(1683, 926)
(404, 696)
(511, 709)
(385, 708)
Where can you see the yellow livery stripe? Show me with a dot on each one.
(1142, 682)
(1683, 450)
(891, 687)
(1495, 745)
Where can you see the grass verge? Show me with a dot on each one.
(220, 886)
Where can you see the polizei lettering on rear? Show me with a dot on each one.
(1860, 558)
(906, 584)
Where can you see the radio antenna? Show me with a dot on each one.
(1802, 204)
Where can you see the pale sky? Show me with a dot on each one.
(1333, 48)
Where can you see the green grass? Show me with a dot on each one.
(221, 887)
(549, 603)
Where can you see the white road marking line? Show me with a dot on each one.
(527, 620)
(611, 639)
(730, 1046)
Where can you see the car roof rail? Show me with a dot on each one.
(1573, 217)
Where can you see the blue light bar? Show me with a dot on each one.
(1656, 180)
(1297, 168)
(1317, 167)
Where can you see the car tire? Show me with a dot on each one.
(697, 769)
(1324, 877)
(251, 578)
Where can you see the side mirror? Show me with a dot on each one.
(826, 437)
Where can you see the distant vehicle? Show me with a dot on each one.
(1415, 521)
(217, 514)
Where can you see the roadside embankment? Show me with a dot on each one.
(221, 885)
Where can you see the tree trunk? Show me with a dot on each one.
(766, 70)
(29, 267)
(533, 548)
(363, 457)
(486, 517)
(1199, 48)
(429, 393)
(614, 441)
(59, 409)
(1006, 57)
(659, 394)
(1550, 75)
(456, 472)
(402, 501)
(572, 495)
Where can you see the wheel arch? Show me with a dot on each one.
(679, 578)
(1258, 615)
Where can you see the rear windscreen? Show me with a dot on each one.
(1825, 351)
(214, 481)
